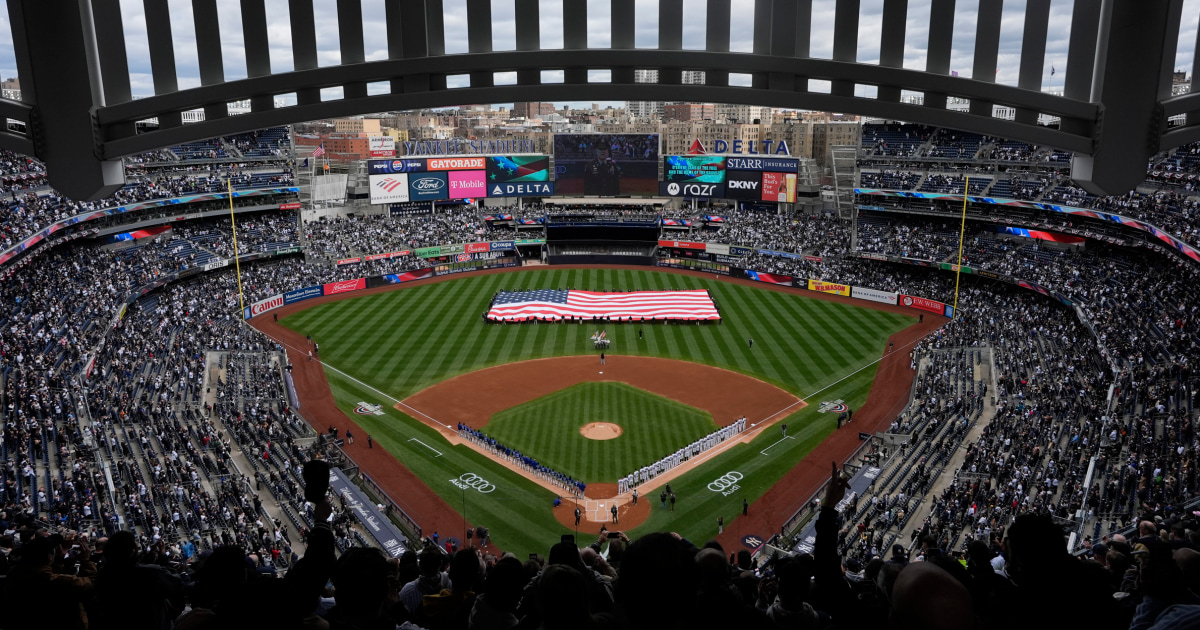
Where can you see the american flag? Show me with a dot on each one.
(559, 304)
(319, 151)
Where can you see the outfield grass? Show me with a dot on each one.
(547, 429)
(396, 343)
(404, 341)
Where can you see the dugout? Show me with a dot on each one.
(582, 238)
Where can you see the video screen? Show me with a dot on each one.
(707, 169)
(518, 168)
(606, 164)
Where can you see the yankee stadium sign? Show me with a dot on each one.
(463, 146)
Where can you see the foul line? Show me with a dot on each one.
(439, 453)
(786, 437)
(391, 398)
(861, 369)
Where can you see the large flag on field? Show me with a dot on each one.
(559, 304)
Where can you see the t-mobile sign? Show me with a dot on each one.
(468, 184)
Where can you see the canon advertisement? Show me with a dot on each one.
(258, 308)
(428, 186)
(388, 188)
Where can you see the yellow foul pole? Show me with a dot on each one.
(237, 266)
(961, 232)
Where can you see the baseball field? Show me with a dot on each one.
(386, 356)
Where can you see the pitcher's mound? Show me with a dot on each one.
(600, 430)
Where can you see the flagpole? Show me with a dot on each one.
(961, 233)
(236, 264)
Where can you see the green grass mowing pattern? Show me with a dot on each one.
(519, 511)
(403, 341)
(547, 429)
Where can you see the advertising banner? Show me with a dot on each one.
(873, 295)
(444, 250)
(376, 524)
(521, 189)
(216, 264)
(388, 188)
(716, 248)
(518, 168)
(503, 246)
(295, 205)
(262, 306)
(478, 247)
(740, 251)
(410, 209)
(694, 189)
(779, 187)
(456, 164)
(387, 255)
(428, 186)
(953, 267)
(873, 256)
(286, 250)
(397, 278)
(385, 167)
(381, 146)
(990, 274)
(333, 288)
(920, 303)
(828, 287)
(468, 184)
(813, 258)
(778, 165)
(744, 185)
(298, 295)
(770, 278)
(349, 261)
(531, 241)
(682, 245)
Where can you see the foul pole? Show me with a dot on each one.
(236, 265)
(961, 233)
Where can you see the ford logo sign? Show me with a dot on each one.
(429, 184)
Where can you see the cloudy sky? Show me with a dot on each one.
(740, 23)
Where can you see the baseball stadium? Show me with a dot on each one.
(846, 314)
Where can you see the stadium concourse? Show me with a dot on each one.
(1061, 397)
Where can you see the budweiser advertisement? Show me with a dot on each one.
(681, 245)
(828, 287)
(334, 288)
(924, 304)
(295, 205)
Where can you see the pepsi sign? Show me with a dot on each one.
(428, 186)
(386, 167)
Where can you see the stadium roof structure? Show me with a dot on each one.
(78, 114)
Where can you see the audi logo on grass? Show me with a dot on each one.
(726, 484)
(473, 482)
